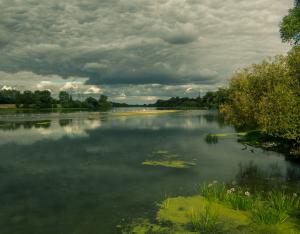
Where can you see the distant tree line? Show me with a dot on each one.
(43, 99)
(211, 100)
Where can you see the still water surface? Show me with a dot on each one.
(82, 173)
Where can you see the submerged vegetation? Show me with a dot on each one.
(164, 158)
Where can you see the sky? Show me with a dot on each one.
(134, 51)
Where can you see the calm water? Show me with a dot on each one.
(82, 173)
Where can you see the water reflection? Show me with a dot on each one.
(83, 173)
(29, 132)
(268, 178)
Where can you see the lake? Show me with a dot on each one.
(83, 172)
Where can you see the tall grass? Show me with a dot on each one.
(283, 202)
(266, 208)
(264, 214)
(240, 201)
(205, 221)
(214, 191)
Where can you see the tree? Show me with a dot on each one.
(104, 103)
(42, 99)
(91, 103)
(65, 99)
(27, 98)
(266, 96)
(290, 26)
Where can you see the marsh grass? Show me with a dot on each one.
(214, 191)
(264, 214)
(205, 221)
(268, 208)
(283, 202)
(240, 201)
(165, 204)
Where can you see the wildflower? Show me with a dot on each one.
(295, 195)
(210, 185)
(232, 189)
(247, 193)
(215, 182)
(229, 191)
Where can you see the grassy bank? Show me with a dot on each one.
(221, 208)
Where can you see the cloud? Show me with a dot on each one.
(138, 42)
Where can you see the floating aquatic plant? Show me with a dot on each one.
(164, 158)
(170, 163)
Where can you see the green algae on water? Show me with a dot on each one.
(164, 158)
(170, 163)
(175, 216)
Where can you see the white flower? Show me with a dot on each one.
(215, 182)
(247, 193)
(229, 191)
(295, 195)
(232, 189)
(210, 185)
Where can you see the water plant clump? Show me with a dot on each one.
(283, 202)
(214, 191)
(164, 158)
(205, 221)
(240, 200)
(264, 214)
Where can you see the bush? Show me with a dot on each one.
(266, 96)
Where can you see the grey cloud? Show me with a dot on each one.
(112, 42)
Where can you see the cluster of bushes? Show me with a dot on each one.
(266, 96)
(43, 99)
(209, 100)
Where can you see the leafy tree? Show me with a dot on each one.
(290, 25)
(42, 99)
(27, 98)
(91, 103)
(65, 99)
(8, 96)
(266, 96)
(104, 103)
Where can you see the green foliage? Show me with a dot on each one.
(290, 26)
(266, 96)
(91, 103)
(43, 99)
(65, 99)
(205, 221)
(214, 191)
(210, 100)
(8, 96)
(264, 214)
(239, 200)
(282, 202)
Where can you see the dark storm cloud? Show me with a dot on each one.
(111, 42)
